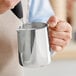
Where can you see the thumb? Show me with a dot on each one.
(52, 21)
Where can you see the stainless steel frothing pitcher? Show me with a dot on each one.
(33, 44)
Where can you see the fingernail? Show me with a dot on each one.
(59, 49)
(52, 24)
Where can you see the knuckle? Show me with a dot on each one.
(56, 41)
(53, 47)
(69, 36)
(53, 34)
(69, 27)
(56, 48)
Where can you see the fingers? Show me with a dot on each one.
(60, 35)
(59, 42)
(53, 21)
(58, 25)
(56, 48)
(63, 26)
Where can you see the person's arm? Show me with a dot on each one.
(5, 5)
(41, 11)
(60, 32)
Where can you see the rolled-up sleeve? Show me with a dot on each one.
(40, 11)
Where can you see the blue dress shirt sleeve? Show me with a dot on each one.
(40, 11)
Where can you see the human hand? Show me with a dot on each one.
(7, 4)
(60, 33)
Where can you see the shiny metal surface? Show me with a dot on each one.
(33, 45)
